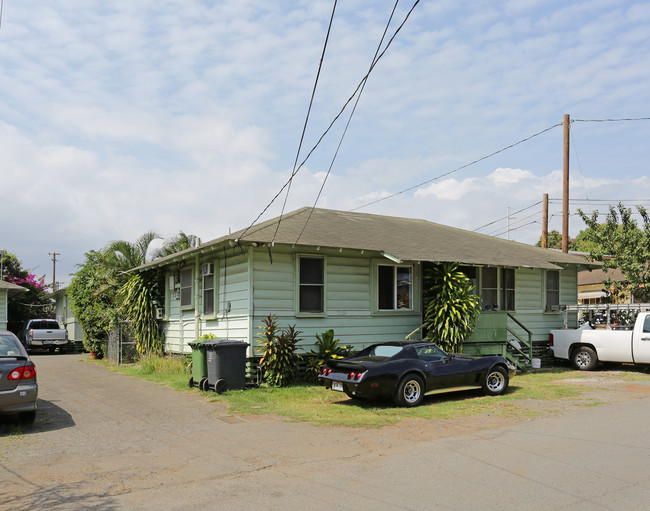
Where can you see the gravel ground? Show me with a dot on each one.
(106, 441)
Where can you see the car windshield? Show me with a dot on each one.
(384, 350)
(8, 346)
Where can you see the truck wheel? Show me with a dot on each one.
(584, 358)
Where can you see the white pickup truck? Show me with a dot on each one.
(586, 346)
(44, 333)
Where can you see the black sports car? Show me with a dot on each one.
(406, 370)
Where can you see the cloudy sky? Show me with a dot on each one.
(121, 117)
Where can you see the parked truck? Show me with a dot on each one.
(588, 345)
(44, 333)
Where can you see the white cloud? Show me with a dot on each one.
(122, 117)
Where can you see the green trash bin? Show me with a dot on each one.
(199, 365)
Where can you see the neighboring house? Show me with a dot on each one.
(7, 290)
(591, 285)
(65, 317)
(358, 274)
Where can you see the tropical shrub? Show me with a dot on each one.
(139, 308)
(279, 358)
(452, 308)
(328, 348)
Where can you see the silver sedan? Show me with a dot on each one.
(18, 387)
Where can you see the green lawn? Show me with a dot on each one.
(315, 405)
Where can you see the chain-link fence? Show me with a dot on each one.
(121, 344)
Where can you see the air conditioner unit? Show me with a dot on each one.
(160, 313)
(207, 269)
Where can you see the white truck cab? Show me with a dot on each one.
(586, 346)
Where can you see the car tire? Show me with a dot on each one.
(584, 359)
(495, 382)
(27, 417)
(410, 391)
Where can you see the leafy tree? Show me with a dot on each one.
(452, 308)
(554, 240)
(121, 256)
(33, 304)
(178, 243)
(621, 243)
(93, 301)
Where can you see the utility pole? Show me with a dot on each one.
(565, 195)
(54, 254)
(545, 221)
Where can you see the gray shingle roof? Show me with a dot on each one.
(404, 238)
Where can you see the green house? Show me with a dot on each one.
(360, 275)
(7, 290)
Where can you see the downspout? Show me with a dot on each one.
(197, 296)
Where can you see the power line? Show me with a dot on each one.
(612, 120)
(504, 217)
(304, 128)
(354, 108)
(458, 169)
(333, 121)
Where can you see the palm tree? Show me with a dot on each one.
(121, 256)
(178, 243)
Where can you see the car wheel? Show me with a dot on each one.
(584, 359)
(27, 417)
(410, 391)
(496, 381)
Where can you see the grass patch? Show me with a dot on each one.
(316, 405)
(169, 370)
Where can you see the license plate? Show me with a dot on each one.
(337, 385)
(49, 342)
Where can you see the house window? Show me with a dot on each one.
(489, 289)
(186, 288)
(552, 288)
(394, 287)
(312, 284)
(498, 289)
(208, 294)
(508, 289)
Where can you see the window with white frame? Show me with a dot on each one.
(186, 287)
(552, 288)
(208, 294)
(311, 294)
(394, 287)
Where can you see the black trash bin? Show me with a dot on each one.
(226, 361)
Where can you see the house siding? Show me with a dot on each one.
(3, 309)
(348, 299)
(251, 284)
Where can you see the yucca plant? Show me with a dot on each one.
(279, 359)
(452, 308)
(328, 348)
(139, 308)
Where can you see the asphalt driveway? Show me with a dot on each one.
(106, 441)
